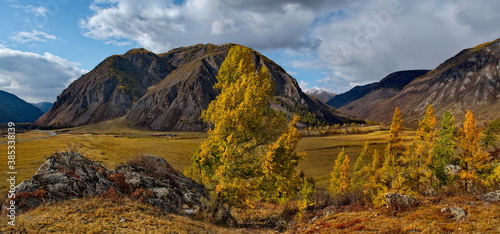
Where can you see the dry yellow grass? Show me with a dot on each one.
(99, 215)
(427, 218)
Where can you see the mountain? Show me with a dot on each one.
(379, 92)
(351, 95)
(14, 109)
(321, 94)
(469, 80)
(167, 91)
(43, 106)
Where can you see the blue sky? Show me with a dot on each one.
(331, 44)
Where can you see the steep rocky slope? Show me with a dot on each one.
(108, 91)
(387, 88)
(469, 80)
(14, 109)
(177, 102)
(167, 91)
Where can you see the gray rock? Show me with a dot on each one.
(399, 201)
(490, 197)
(151, 179)
(456, 213)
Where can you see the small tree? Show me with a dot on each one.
(340, 176)
(490, 138)
(280, 177)
(443, 152)
(473, 159)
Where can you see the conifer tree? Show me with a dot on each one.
(473, 159)
(360, 170)
(421, 155)
(229, 162)
(336, 183)
(396, 156)
(443, 152)
(280, 177)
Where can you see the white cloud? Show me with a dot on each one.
(303, 85)
(382, 36)
(160, 25)
(34, 35)
(356, 41)
(35, 77)
(38, 11)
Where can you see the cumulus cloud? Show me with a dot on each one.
(34, 35)
(35, 77)
(160, 25)
(357, 42)
(382, 36)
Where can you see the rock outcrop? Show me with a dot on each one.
(455, 213)
(490, 197)
(150, 179)
(399, 201)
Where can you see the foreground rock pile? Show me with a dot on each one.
(148, 178)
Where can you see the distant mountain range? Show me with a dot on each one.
(359, 100)
(321, 94)
(43, 106)
(168, 91)
(469, 80)
(14, 109)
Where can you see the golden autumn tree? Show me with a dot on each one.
(280, 177)
(360, 170)
(248, 138)
(396, 156)
(340, 176)
(473, 159)
(421, 152)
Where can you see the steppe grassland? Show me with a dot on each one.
(112, 147)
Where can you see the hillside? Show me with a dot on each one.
(378, 92)
(14, 109)
(469, 80)
(167, 91)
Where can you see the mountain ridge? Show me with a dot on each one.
(167, 91)
(14, 109)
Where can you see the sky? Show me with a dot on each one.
(331, 44)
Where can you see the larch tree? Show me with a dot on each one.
(396, 155)
(473, 159)
(444, 150)
(280, 178)
(360, 170)
(337, 185)
(421, 152)
(243, 125)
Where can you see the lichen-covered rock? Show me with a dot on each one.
(490, 197)
(399, 201)
(150, 179)
(456, 213)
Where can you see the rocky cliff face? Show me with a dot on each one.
(387, 88)
(177, 102)
(469, 80)
(166, 91)
(108, 91)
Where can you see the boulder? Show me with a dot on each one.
(490, 197)
(399, 201)
(148, 178)
(456, 213)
